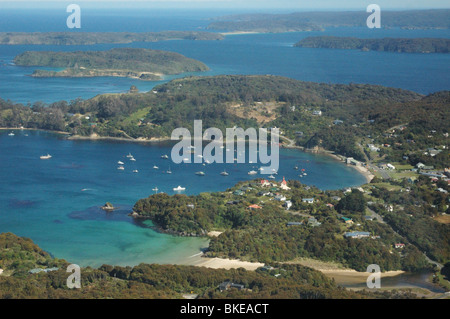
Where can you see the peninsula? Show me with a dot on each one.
(417, 45)
(89, 38)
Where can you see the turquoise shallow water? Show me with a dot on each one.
(56, 202)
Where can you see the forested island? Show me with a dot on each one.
(90, 38)
(414, 45)
(315, 21)
(143, 64)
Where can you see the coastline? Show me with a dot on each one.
(95, 137)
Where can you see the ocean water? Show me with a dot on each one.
(56, 202)
(237, 54)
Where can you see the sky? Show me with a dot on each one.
(234, 4)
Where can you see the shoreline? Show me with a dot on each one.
(94, 137)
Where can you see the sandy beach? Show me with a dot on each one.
(342, 275)
(222, 263)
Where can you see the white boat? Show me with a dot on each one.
(120, 163)
(44, 157)
(200, 173)
(120, 168)
(11, 134)
(155, 167)
(252, 173)
(271, 177)
(169, 171)
(224, 173)
(133, 159)
(304, 174)
(129, 155)
(165, 156)
(155, 189)
(179, 189)
(135, 171)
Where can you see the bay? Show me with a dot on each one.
(56, 202)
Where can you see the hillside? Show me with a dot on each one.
(163, 281)
(143, 64)
(417, 45)
(89, 38)
(335, 117)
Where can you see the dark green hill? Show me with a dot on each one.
(140, 63)
(416, 45)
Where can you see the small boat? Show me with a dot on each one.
(224, 173)
(165, 156)
(271, 177)
(252, 173)
(135, 171)
(304, 174)
(169, 171)
(207, 162)
(129, 155)
(296, 167)
(120, 163)
(155, 189)
(200, 173)
(11, 134)
(133, 159)
(179, 189)
(121, 168)
(44, 157)
(155, 167)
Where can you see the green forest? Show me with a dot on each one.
(160, 281)
(258, 101)
(122, 60)
(265, 235)
(415, 45)
(90, 38)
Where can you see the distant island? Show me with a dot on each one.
(142, 64)
(418, 45)
(316, 21)
(89, 38)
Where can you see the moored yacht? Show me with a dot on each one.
(44, 157)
